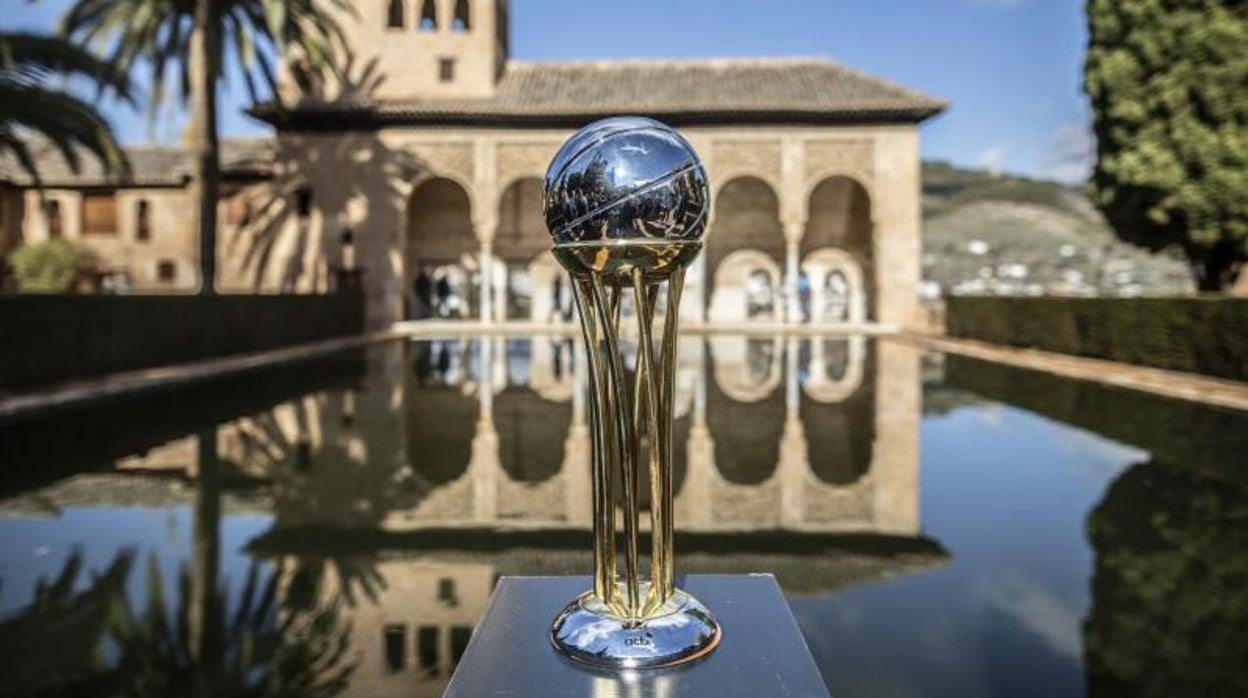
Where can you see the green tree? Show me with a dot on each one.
(68, 123)
(1167, 81)
(50, 267)
(194, 40)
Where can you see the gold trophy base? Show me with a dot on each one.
(588, 631)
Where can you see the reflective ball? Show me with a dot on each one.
(626, 178)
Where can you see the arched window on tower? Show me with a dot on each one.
(394, 14)
(461, 22)
(428, 16)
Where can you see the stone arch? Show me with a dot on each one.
(531, 433)
(839, 217)
(428, 20)
(722, 180)
(461, 21)
(827, 301)
(395, 14)
(522, 242)
(834, 367)
(840, 436)
(738, 296)
(747, 420)
(439, 418)
(440, 243)
(746, 217)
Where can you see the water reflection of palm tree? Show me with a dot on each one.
(96, 643)
(52, 646)
(204, 649)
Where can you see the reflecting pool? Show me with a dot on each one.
(940, 525)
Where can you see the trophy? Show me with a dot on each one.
(626, 201)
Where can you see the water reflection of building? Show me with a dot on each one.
(473, 462)
(802, 434)
(453, 462)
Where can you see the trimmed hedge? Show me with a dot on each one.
(1206, 335)
(52, 338)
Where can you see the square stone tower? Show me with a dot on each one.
(430, 49)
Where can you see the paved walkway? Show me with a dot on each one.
(1175, 384)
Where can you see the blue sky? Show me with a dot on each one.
(1010, 69)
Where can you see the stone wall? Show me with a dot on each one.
(172, 238)
(54, 338)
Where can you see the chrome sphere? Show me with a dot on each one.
(626, 178)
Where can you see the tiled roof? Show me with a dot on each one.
(150, 166)
(688, 91)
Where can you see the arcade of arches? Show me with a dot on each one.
(748, 273)
(808, 225)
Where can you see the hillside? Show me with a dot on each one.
(985, 233)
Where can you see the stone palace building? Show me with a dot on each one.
(420, 168)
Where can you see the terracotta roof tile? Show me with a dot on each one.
(151, 166)
(689, 90)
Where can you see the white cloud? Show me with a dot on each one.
(1070, 155)
(1052, 619)
(992, 159)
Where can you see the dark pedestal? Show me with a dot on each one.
(762, 652)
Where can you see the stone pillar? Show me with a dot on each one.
(577, 449)
(793, 461)
(695, 506)
(815, 275)
(793, 310)
(484, 465)
(896, 227)
(895, 453)
(487, 281)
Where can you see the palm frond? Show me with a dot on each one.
(31, 58)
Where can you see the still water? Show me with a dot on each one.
(941, 526)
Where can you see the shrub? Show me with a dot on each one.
(1197, 335)
(50, 267)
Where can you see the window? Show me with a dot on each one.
(460, 635)
(461, 22)
(303, 202)
(99, 214)
(396, 647)
(427, 646)
(446, 592)
(52, 217)
(142, 221)
(166, 271)
(446, 69)
(394, 14)
(428, 17)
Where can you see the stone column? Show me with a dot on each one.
(895, 454)
(695, 506)
(793, 311)
(484, 465)
(487, 280)
(793, 465)
(815, 276)
(576, 451)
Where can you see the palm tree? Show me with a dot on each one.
(194, 39)
(68, 123)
